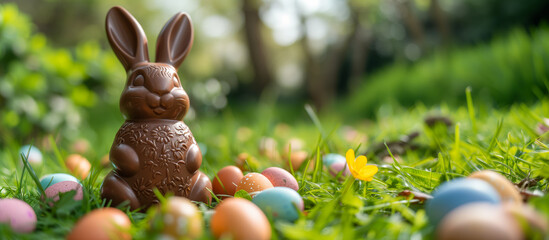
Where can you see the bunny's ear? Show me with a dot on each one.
(175, 40)
(127, 39)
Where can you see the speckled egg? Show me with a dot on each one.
(102, 224)
(479, 221)
(332, 158)
(237, 218)
(53, 191)
(281, 203)
(507, 191)
(18, 214)
(181, 219)
(253, 183)
(339, 168)
(33, 154)
(78, 165)
(455, 193)
(226, 180)
(280, 178)
(52, 179)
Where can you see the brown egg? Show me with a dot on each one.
(479, 221)
(506, 190)
(226, 180)
(181, 219)
(239, 219)
(102, 224)
(78, 165)
(245, 161)
(253, 183)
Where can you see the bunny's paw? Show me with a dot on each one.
(201, 188)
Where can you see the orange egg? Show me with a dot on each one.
(102, 224)
(298, 158)
(237, 218)
(78, 165)
(253, 183)
(225, 181)
(506, 190)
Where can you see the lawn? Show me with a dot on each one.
(451, 143)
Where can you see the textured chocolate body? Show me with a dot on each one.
(153, 149)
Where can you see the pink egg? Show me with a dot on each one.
(18, 214)
(338, 167)
(61, 187)
(281, 178)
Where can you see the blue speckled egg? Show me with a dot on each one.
(458, 192)
(33, 155)
(332, 158)
(51, 179)
(281, 203)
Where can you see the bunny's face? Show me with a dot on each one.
(153, 89)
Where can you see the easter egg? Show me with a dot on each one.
(455, 193)
(332, 158)
(530, 220)
(78, 165)
(253, 183)
(33, 155)
(245, 161)
(18, 214)
(281, 203)
(237, 218)
(105, 161)
(506, 190)
(81, 146)
(280, 178)
(226, 180)
(181, 219)
(268, 148)
(294, 144)
(53, 191)
(52, 179)
(339, 168)
(297, 159)
(479, 221)
(101, 224)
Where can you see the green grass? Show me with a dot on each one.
(479, 138)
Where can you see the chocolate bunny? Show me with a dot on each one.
(153, 148)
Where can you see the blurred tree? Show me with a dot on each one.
(256, 46)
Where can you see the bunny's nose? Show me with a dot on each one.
(164, 102)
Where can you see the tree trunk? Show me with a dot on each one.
(412, 22)
(441, 22)
(256, 47)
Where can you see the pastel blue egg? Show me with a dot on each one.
(332, 158)
(51, 179)
(455, 193)
(32, 153)
(281, 203)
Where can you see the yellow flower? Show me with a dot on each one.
(358, 166)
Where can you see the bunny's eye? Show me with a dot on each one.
(139, 80)
(175, 81)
